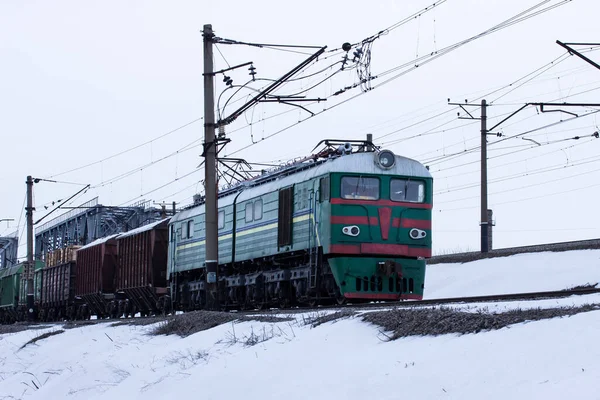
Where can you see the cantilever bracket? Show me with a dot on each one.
(572, 51)
(465, 110)
(289, 100)
(228, 69)
(531, 140)
(563, 111)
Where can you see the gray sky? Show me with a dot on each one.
(82, 81)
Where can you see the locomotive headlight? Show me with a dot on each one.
(351, 230)
(417, 233)
(385, 159)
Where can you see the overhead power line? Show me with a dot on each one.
(520, 17)
(127, 150)
(551, 168)
(159, 187)
(451, 156)
(528, 148)
(518, 200)
(503, 191)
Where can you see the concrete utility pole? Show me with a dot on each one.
(210, 145)
(29, 267)
(486, 215)
(210, 170)
(485, 219)
(484, 195)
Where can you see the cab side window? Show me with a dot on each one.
(221, 219)
(254, 210)
(324, 189)
(249, 212)
(190, 229)
(258, 210)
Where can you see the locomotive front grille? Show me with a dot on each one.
(375, 284)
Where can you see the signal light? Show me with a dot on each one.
(417, 233)
(385, 159)
(351, 230)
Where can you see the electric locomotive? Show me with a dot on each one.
(352, 222)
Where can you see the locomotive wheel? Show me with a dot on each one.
(313, 302)
(340, 300)
(284, 303)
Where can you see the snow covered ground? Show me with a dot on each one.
(346, 359)
(533, 272)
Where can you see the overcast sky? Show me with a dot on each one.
(83, 81)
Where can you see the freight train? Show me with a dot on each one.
(352, 222)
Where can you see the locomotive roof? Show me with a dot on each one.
(362, 162)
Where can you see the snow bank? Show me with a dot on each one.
(347, 359)
(515, 274)
(342, 360)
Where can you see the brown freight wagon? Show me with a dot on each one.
(95, 282)
(142, 268)
(58, 292)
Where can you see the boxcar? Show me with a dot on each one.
(95, 276)
(141, 275)
(58, 285)
(58, 291)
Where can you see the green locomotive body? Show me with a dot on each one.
(347, 227)
(385, 259)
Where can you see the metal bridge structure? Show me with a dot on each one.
(90, 221)
(8, 250)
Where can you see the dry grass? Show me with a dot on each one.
(196, 321)
(319, 318)
(22, 326)
(441, 321)
(192, 322)
(43, 336)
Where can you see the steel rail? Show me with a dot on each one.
(383, 305)
(448, 300)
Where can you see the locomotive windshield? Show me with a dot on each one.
(407, 190)
(358, 187)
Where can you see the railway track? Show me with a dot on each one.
(502, 297)
(358, 306)
(450, 300)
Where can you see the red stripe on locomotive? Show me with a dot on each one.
(380, 248)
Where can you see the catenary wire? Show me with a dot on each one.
(127, 150)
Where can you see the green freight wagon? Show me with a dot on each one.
(13, 292)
